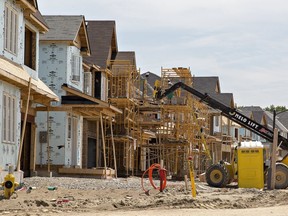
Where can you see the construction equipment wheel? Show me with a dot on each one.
(281, 181)
(217, 175)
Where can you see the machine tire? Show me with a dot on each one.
(281, 181)
(217, 175)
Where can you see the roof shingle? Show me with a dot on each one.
(103, 41)
(62, 28)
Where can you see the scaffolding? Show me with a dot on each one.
(122, 93)
(177, 122)
(149, 131)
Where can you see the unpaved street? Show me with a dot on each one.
(125, 196)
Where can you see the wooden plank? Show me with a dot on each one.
(103, 142)
(113, 146)
(33, 148)
(108, 112)
(40, 25)
(97, 143)
(26, 5)
(41, 99)
(54, 109)
(96, 171)
(24, 126)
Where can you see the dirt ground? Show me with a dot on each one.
(125, 196)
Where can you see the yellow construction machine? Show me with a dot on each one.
(223, 173)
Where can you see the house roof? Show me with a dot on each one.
(280, 121)
(67, 28)
(102, 35)
(224, 98)
(62, 28)
(258, 116)
(125, 56)
(250, 108)
(246, 113)
(150, 77)
(283, 118)
(38, 19)
(207, 84)
(211, 86)
(254, 112)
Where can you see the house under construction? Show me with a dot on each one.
(183, 126)
(180, 121)
(122, 94)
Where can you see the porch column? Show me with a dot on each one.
(113, 146)
(103, 144)
(33, 148)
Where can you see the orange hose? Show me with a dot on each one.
(162, 174)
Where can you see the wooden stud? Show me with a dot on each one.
(33, 149)
(24, 126)
(103, 143)
(113, 146)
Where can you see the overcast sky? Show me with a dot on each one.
(244, 42)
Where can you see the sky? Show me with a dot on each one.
(243, 42)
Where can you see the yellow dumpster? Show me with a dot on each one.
(250, 165)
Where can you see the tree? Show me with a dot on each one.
(277, 108)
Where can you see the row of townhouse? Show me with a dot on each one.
(55, 73)
(70, 99)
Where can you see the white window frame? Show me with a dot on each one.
(217, 121)
(76, 68)
(9, 119)
(11, 29)
(88, 83)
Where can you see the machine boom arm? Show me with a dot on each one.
(230, 113)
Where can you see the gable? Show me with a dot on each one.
(70, 29)
(207, 84)
(258, 116)
(224, 98)
(128, 57)
(102, 36)
(82, 36)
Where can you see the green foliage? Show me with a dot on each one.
(277, 108)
